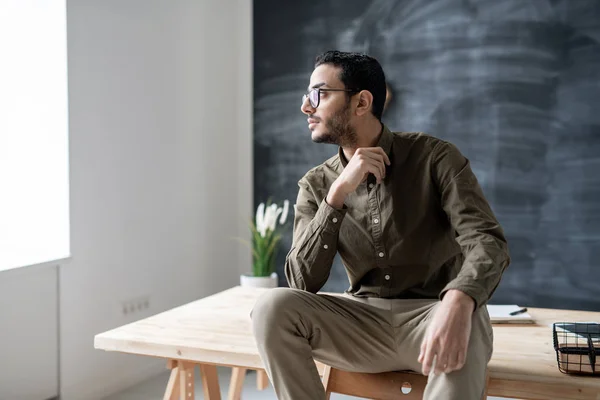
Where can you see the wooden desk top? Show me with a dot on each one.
(214, 330)
(217, 330)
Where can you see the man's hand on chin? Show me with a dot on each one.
(448, 334)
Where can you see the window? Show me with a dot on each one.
(34, 175)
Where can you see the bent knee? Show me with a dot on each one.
(272, 306)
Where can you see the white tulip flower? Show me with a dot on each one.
(260, 219)
(267, 217)
(271, 217)
(273, 221)
(284, 213)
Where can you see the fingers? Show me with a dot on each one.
(452, 364)
(436, 360)
(428, 359)
(367, 164)
(375, 170)
(422, 353)
(457, 356)
(385, 156)
(381, 152)
(441, 364)
(461, 359)
(375, 156)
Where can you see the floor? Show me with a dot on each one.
(153, 389)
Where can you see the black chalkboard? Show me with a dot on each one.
(515, 84)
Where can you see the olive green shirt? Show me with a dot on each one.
(425, 229)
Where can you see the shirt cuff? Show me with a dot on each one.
(477, 293)
(330, 218)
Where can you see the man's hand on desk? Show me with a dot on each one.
(448, 334)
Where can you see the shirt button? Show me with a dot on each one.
(325, 246)
(334, 220)
(371, 186)
(376, 220)
(381, 254)
(387, 277)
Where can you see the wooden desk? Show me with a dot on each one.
(216, 331)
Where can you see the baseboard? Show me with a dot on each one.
(101, 388)
(31, 395)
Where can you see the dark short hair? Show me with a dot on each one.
(358, 71)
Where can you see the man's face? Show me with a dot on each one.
(330, 122)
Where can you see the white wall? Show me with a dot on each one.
(160, 143)
(29, 333)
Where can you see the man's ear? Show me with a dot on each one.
(365, 101)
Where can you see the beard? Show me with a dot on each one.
(338, 130)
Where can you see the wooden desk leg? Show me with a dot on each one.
(325, 379)
(186, 380)
(237, 383)
(262, 379)
(172, 392)
(210, 382)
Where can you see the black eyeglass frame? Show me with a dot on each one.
(319, 90)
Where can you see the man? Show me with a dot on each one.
(421, 246)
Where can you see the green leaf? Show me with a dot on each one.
(273, 243)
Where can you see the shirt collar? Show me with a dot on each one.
(386, 138)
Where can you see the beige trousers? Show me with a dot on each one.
(293, 327)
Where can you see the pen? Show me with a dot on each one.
(521, 311)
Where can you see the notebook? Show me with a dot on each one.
(500, 314)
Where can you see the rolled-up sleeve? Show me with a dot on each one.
(479, 233)
(315, 239)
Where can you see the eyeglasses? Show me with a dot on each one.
(314, 95)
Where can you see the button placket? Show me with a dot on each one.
(376, 228)
(387, 281)
(379, 247)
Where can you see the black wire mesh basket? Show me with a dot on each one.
(577, 346)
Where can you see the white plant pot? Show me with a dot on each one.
(259, 281)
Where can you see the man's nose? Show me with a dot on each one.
(307, 108)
